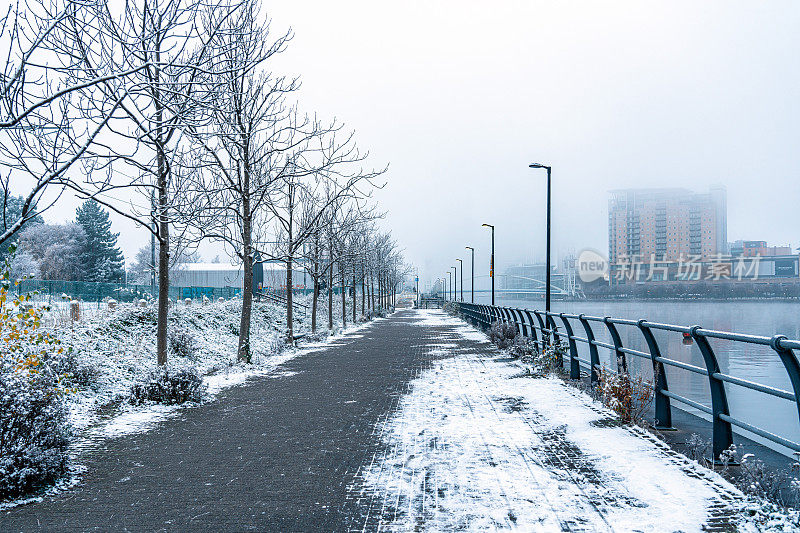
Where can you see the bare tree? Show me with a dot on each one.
(242, 144)
(43, 133)
(165, 48)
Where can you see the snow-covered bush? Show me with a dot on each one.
(629, 397)
(450, 307)
(502, 334)
(75, 371)
(697, 447)
(33, 417)
(33, 429)
(523, 347)
(536, 363)
(170, 386)
(754, 478)
(181, 342)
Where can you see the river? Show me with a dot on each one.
(751, 362)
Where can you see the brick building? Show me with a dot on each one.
(666, 224)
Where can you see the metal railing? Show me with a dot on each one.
(542, 327)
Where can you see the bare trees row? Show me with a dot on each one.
(168, 113)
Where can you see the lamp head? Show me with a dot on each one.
(538, 165)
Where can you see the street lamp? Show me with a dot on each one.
(491, 264)
(547, 261)
(455, 283)
(450, 290)
(472, 272)
(462, 278)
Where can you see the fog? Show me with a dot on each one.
(459, 97)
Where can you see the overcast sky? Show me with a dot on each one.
(459, 97)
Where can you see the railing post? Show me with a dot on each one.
(555, 341)
(622, 363)
(495, 314)
(594, 357)
(663, 410)
(574, 365)
(789, 361)
(533, 328)
(722, 437)
(545, 336)
(523, 328)
(512, 319)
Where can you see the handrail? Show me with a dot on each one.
(721, 418)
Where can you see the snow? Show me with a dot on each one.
(475, 446)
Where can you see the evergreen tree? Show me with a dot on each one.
(102, 257)
(12, 209)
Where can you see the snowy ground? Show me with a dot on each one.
(476, 446)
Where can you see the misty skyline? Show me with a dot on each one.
(459, 97)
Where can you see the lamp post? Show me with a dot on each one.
(547, 261)
(472, 272)
(455, 283)
(450, 290)
(461, 264)
(491, 264)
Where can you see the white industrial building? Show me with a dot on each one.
(270, 275)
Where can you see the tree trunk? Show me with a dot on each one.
(289, 293)
(163, 266)
(354, 296)
(163, 223)
(314, 305)
(330, 296)
(344, 297)
(372, 292)
(243, 353)
(289, 310)
(363, 294)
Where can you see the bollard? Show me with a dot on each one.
(112, 304)
(142, 303)
(74, 310)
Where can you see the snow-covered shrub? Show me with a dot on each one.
(450, 307)
(75, 372)
(131, 317)
(181, 342)
(629, 397)
(502, 334)
(755, 479)
(318, 336)
(536, 363)
(33, 429)
(380, 313)
(170, 386)
(33, 416)
(523, 347)
(697, 447)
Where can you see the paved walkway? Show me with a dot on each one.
(339, 443)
